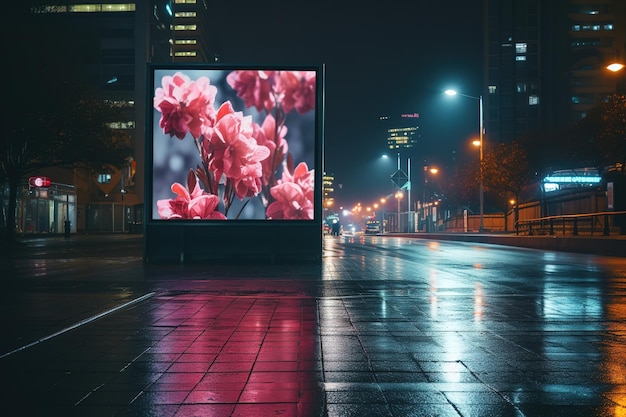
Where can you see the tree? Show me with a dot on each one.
(65, 127)
(602, 133)
(506, 169)
(53, 117)
(462, 187)
(548, 150)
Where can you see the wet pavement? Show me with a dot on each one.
(384, 326)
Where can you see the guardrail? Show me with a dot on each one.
(572, 223)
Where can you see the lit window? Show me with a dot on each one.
(521, 87)
(50, 9)
(492, 89)
(520, 58)
(608, 26)
(533, 100)
(185, 1)
(186, 41)
(122, 125)
(185, 53)
(120, 103)
(185, 27)
(85, 8)
(104, 178)
(129, 7)
(520, 48)
(105, 7)
(185, 14)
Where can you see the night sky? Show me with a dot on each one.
(385, 58)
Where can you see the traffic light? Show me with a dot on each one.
(39, 182)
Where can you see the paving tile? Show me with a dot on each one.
(466, 330)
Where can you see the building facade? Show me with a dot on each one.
(117, 39)
(545, 62)
(189, 32)
(597, 33)
(402, 132)
(328, 192)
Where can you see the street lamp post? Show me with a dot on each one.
(425, 209)
(481, 132)
(409, 220)
(398, 197)
(400, 186)
(617, 68)
(382, 224)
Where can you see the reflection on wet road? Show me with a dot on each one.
(471, 329)
(384, 326)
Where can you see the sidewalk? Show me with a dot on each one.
(391, 327)
(612, 245)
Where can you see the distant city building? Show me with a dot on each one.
(328, 190)
(597, 34)
(545, 62)
(190, 35)
(402, 132)
(118, 38)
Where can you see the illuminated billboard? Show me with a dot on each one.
(237, 145)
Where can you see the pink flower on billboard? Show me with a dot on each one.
(196, 204)
(297, 90)
(294, 198)
(240, 158)
(254, 87)
(235, 153)
(273, 138)
(186, 106)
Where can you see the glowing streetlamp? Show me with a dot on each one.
(480, 145)
(617, 69)
(433, 171)
(382, 225)
(399, 196)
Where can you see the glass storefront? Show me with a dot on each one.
(45, 210)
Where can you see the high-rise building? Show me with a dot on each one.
(190, 35)
(597, 32)
(114, 41)
(328, 191)
(402, 132)
(120, 39)
(514, 52)
(545, 62)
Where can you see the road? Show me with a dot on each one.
(383, 326)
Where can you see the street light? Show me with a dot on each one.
(433, 171)
(398, 178)
(409, 219)
(399, 196)
(616, 68)
(480, 145)
(382, 225)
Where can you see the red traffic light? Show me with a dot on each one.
(39, 182)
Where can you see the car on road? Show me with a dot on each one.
(372, 227)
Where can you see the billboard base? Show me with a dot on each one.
(233, 244)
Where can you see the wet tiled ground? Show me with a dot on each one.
(383, 327)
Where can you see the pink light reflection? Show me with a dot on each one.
(233, 353)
